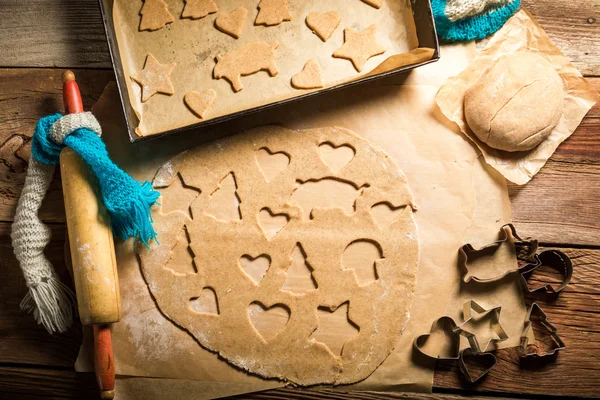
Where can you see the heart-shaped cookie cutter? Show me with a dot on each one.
(467, 353)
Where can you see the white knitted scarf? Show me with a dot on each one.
(50, 300)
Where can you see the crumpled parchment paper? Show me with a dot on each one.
(521, 33)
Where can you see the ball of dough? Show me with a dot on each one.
(516, 103)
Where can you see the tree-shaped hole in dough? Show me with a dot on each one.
(224, 202)
(299, 278)
(206, 303)
(182, 256)
(335, 327)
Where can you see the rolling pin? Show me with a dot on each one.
(92, 250)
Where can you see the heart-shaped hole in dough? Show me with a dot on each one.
(268, 322)
(271, 223)
(255, 267)
(271, 164)
(334, 157)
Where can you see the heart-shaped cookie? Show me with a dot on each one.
(310, 77)
(336, 158)
(200, 102)
(269, 322)
(271, 164)
(271, 223)
(255, 267)
(232, 23)
(476, 365)
(323, 25)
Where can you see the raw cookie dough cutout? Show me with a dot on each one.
(246, 60)
(200, 102)
(272, 12)
(310, 77)
(232, 23)
(154, 78)
(375, 3)
(196, 9)
(302, 269)
(323, 25)
(360, 46)
(155, 15)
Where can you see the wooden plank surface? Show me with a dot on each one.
(69, 34)
(560, 206)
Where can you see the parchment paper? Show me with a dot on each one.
(445, 176)
(193, 45)
(521, 33)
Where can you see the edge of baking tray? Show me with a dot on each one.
(115, 57)
(426, 35)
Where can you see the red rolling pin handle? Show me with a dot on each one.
(104, 362)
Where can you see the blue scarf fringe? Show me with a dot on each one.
(127, 201)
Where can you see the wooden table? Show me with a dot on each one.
(560, 206)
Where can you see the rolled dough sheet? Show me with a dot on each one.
(397, 115)
(194, 44)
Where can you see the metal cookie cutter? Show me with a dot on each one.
(447, 325)
(551, 258)
(495, 313)
(468, 356)
(535, 314)
(524, 249)
(454, 331)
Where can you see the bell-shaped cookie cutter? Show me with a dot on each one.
(552, 258)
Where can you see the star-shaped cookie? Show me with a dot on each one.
(359, 46)
(154, 78)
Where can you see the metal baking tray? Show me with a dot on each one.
(426, 36)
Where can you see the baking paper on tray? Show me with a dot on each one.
(193, 45)
(520, 34)
(398, 115)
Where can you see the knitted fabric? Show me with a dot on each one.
(127, 202)
(462, 20)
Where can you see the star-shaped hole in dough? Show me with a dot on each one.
(360, 46)
(154, 78)
(178, 197)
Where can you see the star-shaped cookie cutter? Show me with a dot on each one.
(542, 318)
(525, 250)
(552, 258)
(495, 312)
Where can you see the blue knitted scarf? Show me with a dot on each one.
(127, 201)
